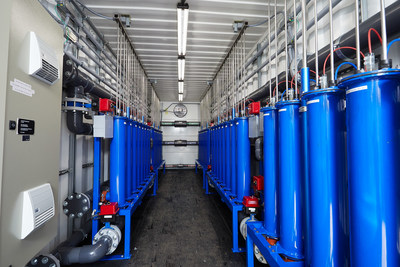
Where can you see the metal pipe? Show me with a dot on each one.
(303, 8)
(276, 54)
(316, 43)
(286, 50)
(322, 13)
(332, 58)
(295, 44)
(269, 48)
(357, 29)
(383, 32)
(82, 65)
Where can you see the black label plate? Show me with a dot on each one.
(26, 127)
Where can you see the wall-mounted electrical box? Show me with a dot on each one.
(254, 126)
(37, 208)
(103, 126)
(39, 59)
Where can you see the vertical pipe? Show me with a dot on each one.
(357, 29)
(295, 45)
(270, 162)
(304, 29)
(128, 183)
(232, 144)
(383, 32)
(269, 50)
(276, 53)
(332, 57)
(290, 194)
(117, 161)
(316, 43)
(243, 157)
(96, 180)
(227, 156)
(286, 50)
(223, 153)
(328, 196)
(305, 71)
(134, 156)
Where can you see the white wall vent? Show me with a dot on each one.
(39, 59)
(37, 208)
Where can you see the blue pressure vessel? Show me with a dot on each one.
(227, 156)
(232, 144)
(305, 181)
(223, 153)
(243, 158)
(328, 198)
(270, 162)
(128, 183)
(290, 195)
(118, 161)
(373, 147)
(134, 156)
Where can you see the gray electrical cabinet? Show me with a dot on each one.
(30, 117)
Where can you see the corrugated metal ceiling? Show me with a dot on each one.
(153, 32)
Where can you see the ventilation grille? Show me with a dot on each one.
(48, 73)
(44, 217)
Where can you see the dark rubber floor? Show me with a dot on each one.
(181, 226)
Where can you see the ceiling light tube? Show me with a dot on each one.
(181, 68)
(180, 97)
(183, 19)
(180, 87)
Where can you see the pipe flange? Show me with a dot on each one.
(46, 260)
(113, 232)
(243, 227)
(259, 256)
(76, 205)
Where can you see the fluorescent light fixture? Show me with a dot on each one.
(183, 18)
(180, 97)
(181, 68)
(180, 87)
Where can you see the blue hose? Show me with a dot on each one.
(391, 43)
(283, 95)
(344, 63)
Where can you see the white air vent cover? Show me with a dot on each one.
(39, 59)
(37, 208)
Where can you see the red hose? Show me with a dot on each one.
(369, 38)
(344, 47)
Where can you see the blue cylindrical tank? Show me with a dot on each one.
(223, 153)
(140, 152)
(305, 181)
(290, 195)
(270, 162)
(373, 147)
(227, 156)
(134, 156)
(243, 158)
(232, 144)
(128, 183)
(118, 161)
(328, 199)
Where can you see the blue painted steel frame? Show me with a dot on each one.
(256, 235)
(234, 205)
(127, 211)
